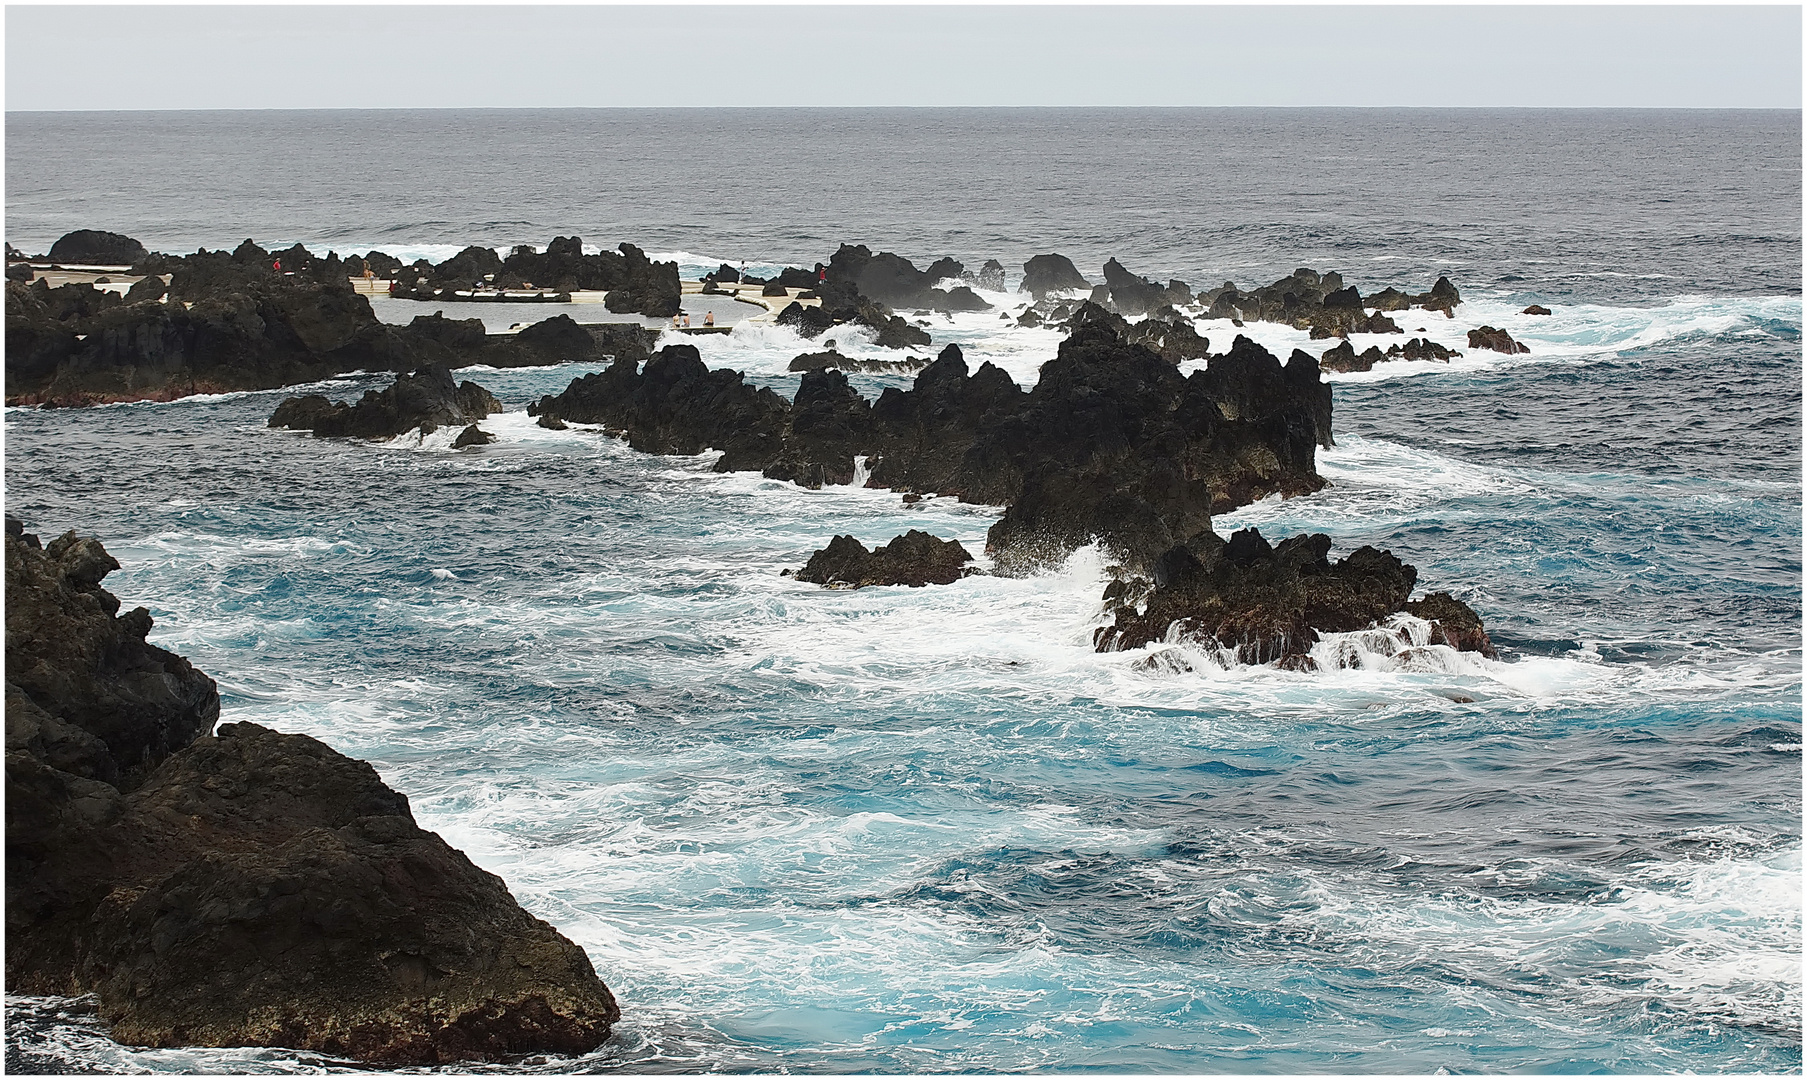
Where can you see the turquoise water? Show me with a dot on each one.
(930, 830)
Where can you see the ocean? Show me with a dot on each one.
(930, 830)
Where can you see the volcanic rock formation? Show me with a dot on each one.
(424, 401)
(1269, 603)
(916, 558)
(244, 888)
(92, 247)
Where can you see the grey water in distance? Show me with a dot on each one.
(929, 830)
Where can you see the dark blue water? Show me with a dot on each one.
(930, 830)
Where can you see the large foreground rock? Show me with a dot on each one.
(247, 888)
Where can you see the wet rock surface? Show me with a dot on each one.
(1112, 444)
(1487, 337)
(245, 888)
(915, 559)
(423, 401)
(1269, 603)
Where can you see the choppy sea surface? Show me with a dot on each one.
(931, 830)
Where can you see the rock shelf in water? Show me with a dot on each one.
(1269, 603)
(244, 887)
(915, 559)
(423, 401)
(226, 321)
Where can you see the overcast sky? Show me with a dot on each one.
(254, 57)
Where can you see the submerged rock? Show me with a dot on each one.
(247, 888)
(916, 559)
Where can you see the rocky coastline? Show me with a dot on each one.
(237, 886)
(217, 321)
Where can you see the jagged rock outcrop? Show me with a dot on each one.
(1498, 340)
(645, 286)
(1112, 444)
(1164, 332)
(94, 247)
(1323, 304)
(423, 401)
(1044, 274)
(245, 888)
(1536, 309)
(1131, 294)
(633, 282)
(824, 423)
(228, 321)
(1421, 349)
(915, 559)
(677, 405)
(1269, 603)
(1343, 356)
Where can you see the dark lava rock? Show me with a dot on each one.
(92, 247)
(425, 400)
(891, 279)
(1130, 294)
(472, 436)
(678, 406)
(557, 340)
(1498, 340)
(150, 288)
(1112, 445)
(85, 693)
(1269, 603)
(826, 420)
(1343, 357)
(816, 361)
(960, 299)
(726, 273)
(553, 423)
(1453, 623)
(232, 323)
(1536, 309)
(915, 559)
(647, 287)
(1044, 274)
(808, 322)
(774, 289)
(1421, 349)
(247, 888)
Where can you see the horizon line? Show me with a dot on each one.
(833, 108)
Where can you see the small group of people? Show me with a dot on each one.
(681, 320)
